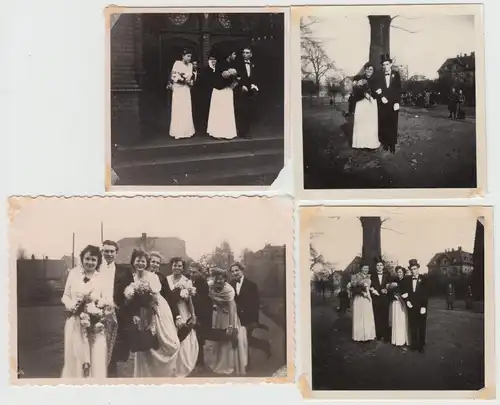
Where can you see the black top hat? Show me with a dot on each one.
(378, 259)
(413, 262)
(385, 58)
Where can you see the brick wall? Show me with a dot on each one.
(126, 70)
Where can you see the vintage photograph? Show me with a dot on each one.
(161, 289)
(196, 98)
(399, 299)
(392, 97)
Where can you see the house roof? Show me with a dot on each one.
(454, 256)
(467, 62)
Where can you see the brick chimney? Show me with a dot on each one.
(144, 239)
(460, 248)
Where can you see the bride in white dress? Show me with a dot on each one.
(159, 362)
(365, 132)
(181, 121)
(221, 118)
(84, 356)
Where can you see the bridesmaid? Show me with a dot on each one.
(398, 312)
(183, 287)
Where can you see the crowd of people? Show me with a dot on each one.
(165, 321)
(217, 100)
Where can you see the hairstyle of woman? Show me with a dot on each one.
(94, 251)
(178, 259)
(218, 272)
(138, 253)
(367, 65)
(157, 255)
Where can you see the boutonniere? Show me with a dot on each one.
(419, 280)
(392, 76)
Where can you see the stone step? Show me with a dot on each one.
(182, 169)
(198, 146)
(258, 176)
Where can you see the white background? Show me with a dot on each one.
(52, 116)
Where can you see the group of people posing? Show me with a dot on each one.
(375, 102)
(113, 311)
(218, 100)
(392, 309)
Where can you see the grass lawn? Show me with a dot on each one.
(453, 358)
(41, 345)
(432, 151)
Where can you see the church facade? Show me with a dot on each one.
(143, 48)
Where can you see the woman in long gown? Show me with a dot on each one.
(363, 320)
(84, 355)
(159, 362)
(229, 356)
(183, 287)
(365, 131)
(398, 312)
(181, 120)
(221, 117)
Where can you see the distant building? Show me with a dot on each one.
(459, 72)
(267, 268)
(418, 78)
(451, 263)
(460, 69)
(403, 71)
(351, 269)
(168, 246)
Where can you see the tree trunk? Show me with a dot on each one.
(371, 237)
(380, 28)
(478, 260)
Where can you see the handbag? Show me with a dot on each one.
(185, 330)
(143, 340)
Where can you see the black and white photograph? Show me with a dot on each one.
(159, 289)
(392, 98)
(399, 299)
(197, 98)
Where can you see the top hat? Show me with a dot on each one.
(385, 58)
(413, 262)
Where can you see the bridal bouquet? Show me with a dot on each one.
(231, 73)
(140, 295)
(185, 290)
(359, 287)
(93, 313)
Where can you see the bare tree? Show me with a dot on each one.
(315, 63)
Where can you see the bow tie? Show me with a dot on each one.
(247, 62)
(414, 278)
(86, 280)
(387, 74)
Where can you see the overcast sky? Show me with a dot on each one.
(46, 227)
(405, 237)
(346, 39)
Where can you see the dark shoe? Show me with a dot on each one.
(421, 350)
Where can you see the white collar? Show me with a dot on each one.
(241, 280)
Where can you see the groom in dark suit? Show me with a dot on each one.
(248, 307)
(246, 93)
(416, 295)
(389, 96)
(380, 299)
(117, 279)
